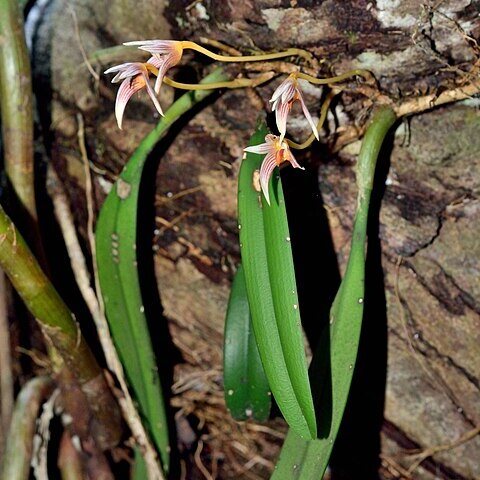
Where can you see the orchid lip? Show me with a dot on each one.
(276, 151)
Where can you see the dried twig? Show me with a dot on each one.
(16, 461)
(95, 305)
(198, 461)
(430, 451)
(427, 102)
(86, 61)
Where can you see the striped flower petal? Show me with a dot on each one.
(283, 98)
(276, 152)
(135, 76)
(166, 54)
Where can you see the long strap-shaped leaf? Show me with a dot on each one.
(275, 355)
(285, 299)
(247, 393)
(116, 240)
(307, 460)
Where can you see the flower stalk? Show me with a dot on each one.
(167, 53)
(291, 52)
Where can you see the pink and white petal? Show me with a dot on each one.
(284, 87)
(270, 138)
(159, 80)
(278, 91)
(289, 92)
(266, 169)
(167, 62)
(281, 115)
(275, 104)
(118, 68)
(125, 91)
(123, 71)
(155, 46)
(260, 149)
(155, 60)
(308, 116)
(153, 97)
(293, 161)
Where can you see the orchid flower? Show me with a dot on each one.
(282, 101)
(165, 55)
(135, 76)
(276, 151)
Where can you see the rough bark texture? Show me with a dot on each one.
(422, 332)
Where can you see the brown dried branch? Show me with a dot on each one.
(19, 447)
(419, 457)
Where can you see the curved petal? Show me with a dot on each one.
(166, 63)
(281, 115)
(260, 149)
(128, 87)
(268, 166)
(290, 158)
(307, 115)
(289, 92)
(275, 104)
(155, 60)
(153, 97)
(156, 46)
(285, 91)
(125, 70)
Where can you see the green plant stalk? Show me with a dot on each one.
(16, 107)
(307, 460)
(254, 261)
(43, 301)
(57, 324)
(285, 299)
(19, 446)
(116, 239)
(247, 394)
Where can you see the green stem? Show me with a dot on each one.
(43, 301)
(16, 106)
(381, 122)
(58, 325)
(307, 460)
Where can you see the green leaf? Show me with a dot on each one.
(247, 393)
(116, 243)
(257, 279)
(308, 460)
(285, 299)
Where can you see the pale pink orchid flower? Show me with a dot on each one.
(135, 76)
(165, 55)
(283, 98)
(276, 152)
